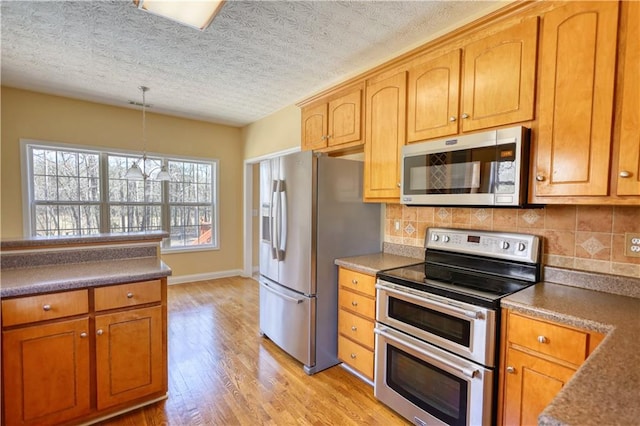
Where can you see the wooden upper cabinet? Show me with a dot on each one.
(499, 77)
(628, 171)
(433, 98)
(384, 137)
(345, 119)
(576, 87)
(314, 127)
(333, 123)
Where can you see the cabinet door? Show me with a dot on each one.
(384, 137)
(433, 93)
(314, 127)
(345, 119)
(577, 71)
(499, 77)
(530, 385)
(629, 146)
(46, 373)
(130, 359)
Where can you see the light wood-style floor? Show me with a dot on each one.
(222, 372)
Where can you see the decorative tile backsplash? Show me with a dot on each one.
(589, 238)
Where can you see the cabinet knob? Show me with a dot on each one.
(625, 174)
(99, 332)
(354, 281)
(46, 307)
(83, 335)
(542, 339)
(354, 303)
(129, 295)
(511, 370)
(452, 119)
(329, 136)
(540, 178)
(354, 328)
(353, 356)
(324, 137)
(398, 184)
(465, 115)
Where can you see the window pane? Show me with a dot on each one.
(175, 192)
(134, 218)
(68, 189)
(46, 220)
(67, 220)
(67, 163)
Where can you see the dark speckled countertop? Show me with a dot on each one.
(43, 265)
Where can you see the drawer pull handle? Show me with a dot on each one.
(99, 332)
(354, 281)
(511, 370)
(83, 335)
(46, 308)
(129, 295)
(542, 339)
(354, 303)
(353, 356)
(354, 328)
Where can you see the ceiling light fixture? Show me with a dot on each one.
(196, 14)
(137, 172)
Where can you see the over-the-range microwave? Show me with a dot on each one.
(481, 169)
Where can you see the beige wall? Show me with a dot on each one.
(277, 132)
(37, 116)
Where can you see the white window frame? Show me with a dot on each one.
(27, 188)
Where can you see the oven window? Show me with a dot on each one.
(435, 391)
(446, 326)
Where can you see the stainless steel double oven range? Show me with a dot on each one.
(438, 322)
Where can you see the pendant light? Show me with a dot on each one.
(137, 171)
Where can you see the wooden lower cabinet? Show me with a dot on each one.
(46, 376)
(356, 320)
(539, 358)
(129, 355)
(66, 361)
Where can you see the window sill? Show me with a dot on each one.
(187, 249)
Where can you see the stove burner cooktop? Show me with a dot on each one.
(478, 267)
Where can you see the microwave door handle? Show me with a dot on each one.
(465, 371)
(273, 216)
(435, 303)
(282, 244)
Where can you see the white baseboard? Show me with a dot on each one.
(181, 279)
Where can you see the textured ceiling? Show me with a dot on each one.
(256, 58)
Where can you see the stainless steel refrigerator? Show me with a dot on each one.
(311, 213)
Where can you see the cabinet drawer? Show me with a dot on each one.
(356, 328)
(44, 307)
(358, 303)
(356, 356)
(357, 281)
(550, 339)
(123, 295)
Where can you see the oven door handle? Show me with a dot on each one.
(405, 293)
(465, 371)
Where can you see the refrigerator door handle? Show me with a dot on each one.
(273, 222)
(281, 295)
(282, 243)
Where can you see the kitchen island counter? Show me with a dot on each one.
(44, 265)
(604, 388)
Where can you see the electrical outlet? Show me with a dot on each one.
(631, 244)
(396, 224)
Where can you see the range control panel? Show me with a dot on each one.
(503, 245)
